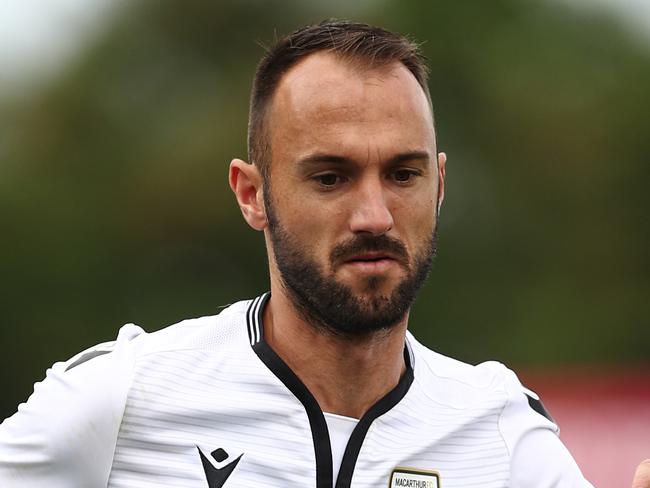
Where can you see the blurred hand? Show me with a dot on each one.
(642, 475)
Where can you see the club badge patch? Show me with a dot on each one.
(414, 478)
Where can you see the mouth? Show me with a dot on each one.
(371, 262)
(370, 257)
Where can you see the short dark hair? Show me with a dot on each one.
(370, 45)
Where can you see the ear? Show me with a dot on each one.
(442, 160)
(246, 183)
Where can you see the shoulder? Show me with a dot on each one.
(226, 328)
(529, 433)
(65, 434)
(133, 346)
(488, 382)
(487, 378)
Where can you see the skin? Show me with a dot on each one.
(354, 151)
(642, 475)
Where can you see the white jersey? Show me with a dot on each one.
(207, 403)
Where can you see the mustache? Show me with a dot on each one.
(369, 243)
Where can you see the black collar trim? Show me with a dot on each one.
(254, 318)
(320, 432)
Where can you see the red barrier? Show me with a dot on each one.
(604, 417)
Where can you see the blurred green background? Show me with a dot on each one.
(115, 208)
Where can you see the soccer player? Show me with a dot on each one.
(317, 383)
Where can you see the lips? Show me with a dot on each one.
(370, 257)
(371, 262)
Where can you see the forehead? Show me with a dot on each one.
(325, 103)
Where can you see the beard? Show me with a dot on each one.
(333, 307)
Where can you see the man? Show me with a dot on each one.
(317, 383)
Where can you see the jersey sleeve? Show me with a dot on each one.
(539, 459)
(65, 434)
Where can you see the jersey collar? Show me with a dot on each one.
(320, 433)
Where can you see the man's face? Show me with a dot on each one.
(352, 192)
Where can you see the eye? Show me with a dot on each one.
(404, 175)
(327, 179)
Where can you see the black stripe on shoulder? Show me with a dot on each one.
(87, 357)
(537, 405)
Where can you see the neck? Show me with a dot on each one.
(345, 375)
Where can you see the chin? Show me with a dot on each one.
(373, 287)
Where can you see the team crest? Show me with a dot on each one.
(414, 478)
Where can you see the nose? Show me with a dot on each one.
(370, 212)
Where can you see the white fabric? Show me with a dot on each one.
(136, 412)
(340, 429)
(64, 435)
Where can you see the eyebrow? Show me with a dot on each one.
(317, 158)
